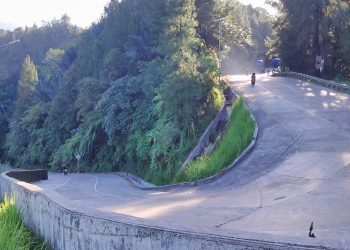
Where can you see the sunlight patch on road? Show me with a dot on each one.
(29, 186)
(157, 193)
(310, 94)
(151, 211)
(342, 97)
(324, 92)
(329, 93)
(177, 194)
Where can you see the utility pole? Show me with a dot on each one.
(220, 45)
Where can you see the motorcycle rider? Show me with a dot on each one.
(253, 79)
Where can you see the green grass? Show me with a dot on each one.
(13, 233)
(236, 138)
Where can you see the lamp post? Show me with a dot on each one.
(219, 49)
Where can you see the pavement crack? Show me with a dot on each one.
(238, 218)
(247, 214)
(260, 195)
(301, 177)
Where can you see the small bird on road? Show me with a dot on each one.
(312, 235)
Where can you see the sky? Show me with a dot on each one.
(15, 13)
(260, 3)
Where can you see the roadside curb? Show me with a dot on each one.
(142, 184)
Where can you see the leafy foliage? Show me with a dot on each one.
(139, 116)
(306, 29)
(133, 93)
(35, 43)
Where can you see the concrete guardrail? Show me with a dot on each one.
(28, 175)
(67, 227)
(325, 83)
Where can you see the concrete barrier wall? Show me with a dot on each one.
(29, 175)
(69, 229)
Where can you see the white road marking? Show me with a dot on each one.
(107, 195)
(61, 185)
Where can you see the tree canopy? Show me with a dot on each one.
(134, 92)
(305, 30)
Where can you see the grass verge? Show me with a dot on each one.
(14, 235)
(236, 138)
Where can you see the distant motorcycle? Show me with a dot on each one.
(253, 79)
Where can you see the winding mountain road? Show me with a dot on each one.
(298, 172)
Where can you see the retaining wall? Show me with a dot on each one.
(222, 116)
(69, 229)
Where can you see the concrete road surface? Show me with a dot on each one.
(299, 172)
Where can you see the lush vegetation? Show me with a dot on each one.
(306, 29)
(237, 137)
(14, 235)
(36, 42)
(4, 168)
(134, 92)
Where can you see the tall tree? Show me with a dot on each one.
(307, 29)
(34, 41)
(26, 86)
(17, 139)
(134, 93)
